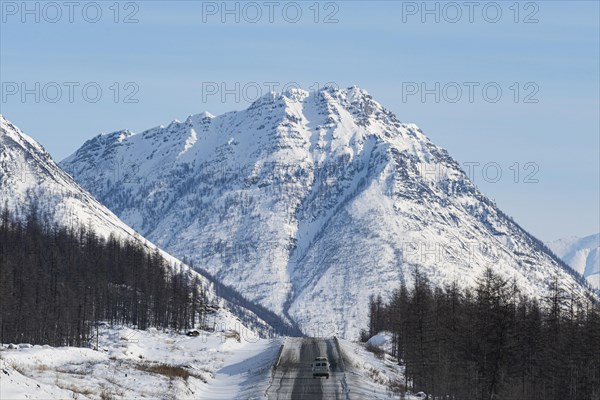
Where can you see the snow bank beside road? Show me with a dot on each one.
(16, 386)
(368, 376)
(133, 363)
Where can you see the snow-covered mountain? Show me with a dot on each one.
(582, 254)
(308, 203)
(30, 178)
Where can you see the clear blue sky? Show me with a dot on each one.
(176, 49)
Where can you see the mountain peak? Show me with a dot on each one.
(199, 119)
(308, 203)
(296, 94)
(203, 115)
(9, 130)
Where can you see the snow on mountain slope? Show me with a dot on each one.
(582, 254)
(308, 203)
(29, 177)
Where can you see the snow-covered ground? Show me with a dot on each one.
(156, 364)
(149, 364)
(370, 376)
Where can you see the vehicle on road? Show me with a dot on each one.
(320, 367)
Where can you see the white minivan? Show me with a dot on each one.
(320, 367)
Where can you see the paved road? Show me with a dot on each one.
(293, 377)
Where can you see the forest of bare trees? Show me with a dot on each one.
(57, 284)
(492, 343)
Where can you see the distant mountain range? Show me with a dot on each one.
(582, 254)
(309, 203)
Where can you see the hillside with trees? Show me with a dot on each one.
(492, 342)
(57, 284)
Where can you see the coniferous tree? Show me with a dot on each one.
(493, 342)
(56, 283)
